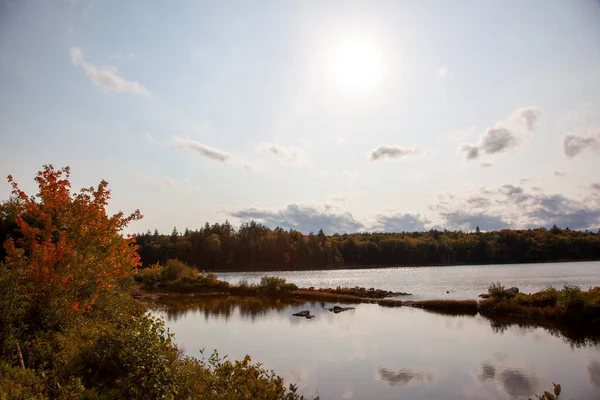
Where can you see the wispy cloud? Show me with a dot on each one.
(285, 155)
(202, 149)
(148, 136)
(526, 116)
(106, 79)
(573, 144)
(559, 173)
(395, 152)
(499, 138)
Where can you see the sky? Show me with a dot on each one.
(342, 115)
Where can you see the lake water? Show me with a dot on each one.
(463, 282)
(373, 352)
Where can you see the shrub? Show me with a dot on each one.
(497, 291)
(241, 380)
(175, 269)
(544, 298)
(570, 298)
(273, 284)
(17, 383)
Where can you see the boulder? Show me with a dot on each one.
(484, 296)
(514, 290)
(304, 313)
(338, 309)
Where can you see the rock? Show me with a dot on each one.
(484, 296)
(447, 291)
(514, 290)
(304, 313)
(338, 309)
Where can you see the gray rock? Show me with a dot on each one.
(304, 313)
(514, 290)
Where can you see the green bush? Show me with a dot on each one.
(570, 298)
(175, 269)
(497, 291)
(274, 285)
(241, 380)
(17, 383)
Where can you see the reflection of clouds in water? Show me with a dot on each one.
(516, 383)
(348, 393)
(402, 377)
(299, 375)
(488, 371)
(500, 356)
(594, 373)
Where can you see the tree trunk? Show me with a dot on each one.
(20, 355)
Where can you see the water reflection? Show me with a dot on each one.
(575, 335)
(594, 373)
(517, 383)
(356, 355)
(225, 307)
(402, 377)
(488, 372)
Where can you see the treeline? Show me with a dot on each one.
(256, 247)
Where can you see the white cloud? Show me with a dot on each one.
(305, 218)
(106, 79)
(498, 138)
(526, 116)
(202, 149)
(395, 152)
(575, 144)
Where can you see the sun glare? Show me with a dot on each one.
(357, 64)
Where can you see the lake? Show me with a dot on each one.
(462, 282)
(374, 352)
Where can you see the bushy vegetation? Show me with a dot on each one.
(569, 304)
(177, 276)
(254, 246)
(69, 327)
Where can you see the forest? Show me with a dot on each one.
(256, 247)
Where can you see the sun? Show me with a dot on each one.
(356, 64)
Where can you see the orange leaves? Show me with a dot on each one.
(71, 249)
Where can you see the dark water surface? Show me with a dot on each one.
(463, 282)
(373, 352)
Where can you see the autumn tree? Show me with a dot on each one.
(67, 250)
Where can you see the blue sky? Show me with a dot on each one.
(350, 116)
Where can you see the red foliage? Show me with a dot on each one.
(71, 250)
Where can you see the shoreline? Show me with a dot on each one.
(500, 311)
(386, 266)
